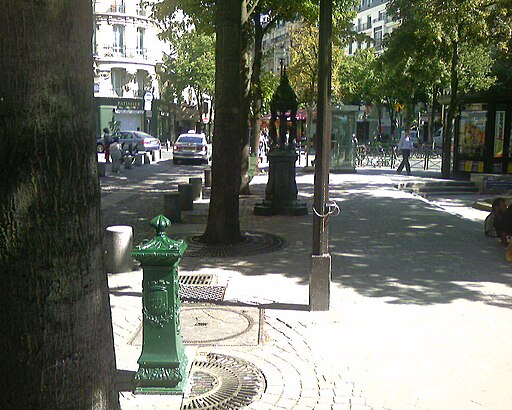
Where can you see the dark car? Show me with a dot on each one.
(137, 141)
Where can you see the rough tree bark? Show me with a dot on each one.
(57, 345)
(223, 225)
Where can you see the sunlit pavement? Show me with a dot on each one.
(421, 301)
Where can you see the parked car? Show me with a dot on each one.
(137, 141)
(100, 145)
(192, 147)
(438, 138)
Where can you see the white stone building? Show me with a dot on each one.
(127, 55)
(373, 21)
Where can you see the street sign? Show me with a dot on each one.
(148, 96)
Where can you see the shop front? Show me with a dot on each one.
(483, 136)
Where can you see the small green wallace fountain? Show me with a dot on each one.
(162, 363)
(281, 191)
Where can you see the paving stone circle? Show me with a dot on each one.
(254, 243)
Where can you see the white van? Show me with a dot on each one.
(438, 138)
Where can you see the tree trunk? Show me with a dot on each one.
(256, 83)
(448, 125)
(245, 93)
(431, 129)
(223, 225)
(57, 344)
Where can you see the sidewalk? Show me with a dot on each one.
(421, 301)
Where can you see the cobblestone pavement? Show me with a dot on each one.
(420, 300)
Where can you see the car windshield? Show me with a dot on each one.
(190, 139)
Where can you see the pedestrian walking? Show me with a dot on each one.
(117, 154)
(107, 140)
(405, 145)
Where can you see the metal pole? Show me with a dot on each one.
(320, 273)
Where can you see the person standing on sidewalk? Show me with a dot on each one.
(405, 145)
(107, 140)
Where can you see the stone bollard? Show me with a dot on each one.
(186, 199)
(155, 155)
(119, 244)
(172, 208)
(138, 160)
(162, 363)
(128, 162)
(146, 158)
(197, 188)
(102, 168)
(208, 177)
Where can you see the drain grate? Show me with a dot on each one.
(214, 293)
(197, 279)
(200, 288)
(220, 382)
(254, 243)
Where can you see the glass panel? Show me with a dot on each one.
(499, 134)
(118, 44)
(472, 132)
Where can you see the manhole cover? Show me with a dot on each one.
(220, 382)
(254, 243)
(206, 325)
(216, 325)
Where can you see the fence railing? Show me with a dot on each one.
(387, 156)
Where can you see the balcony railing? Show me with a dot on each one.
(123, 52)
(363, 26)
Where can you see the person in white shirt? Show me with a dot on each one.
(405, 145)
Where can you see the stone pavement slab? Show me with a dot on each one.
(420, 312)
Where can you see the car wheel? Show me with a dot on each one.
(100, 148)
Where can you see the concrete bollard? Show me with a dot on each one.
(128, 162)
(138, 160)
(197, 188)
(102, 168)
(119, 244)
(208, 177)
(155, 155)
(146, 158)
(172, 207)
(186, 200)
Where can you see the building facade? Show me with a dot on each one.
(127, 55)
(373, 21)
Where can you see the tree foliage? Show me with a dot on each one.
(191, 65)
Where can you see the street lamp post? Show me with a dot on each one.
(320, 273)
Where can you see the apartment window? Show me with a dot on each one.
(118, 44)
(118, 77)
(377, 36)
(140, 41)
(143, 82)
(117, 6)
(369, 21)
